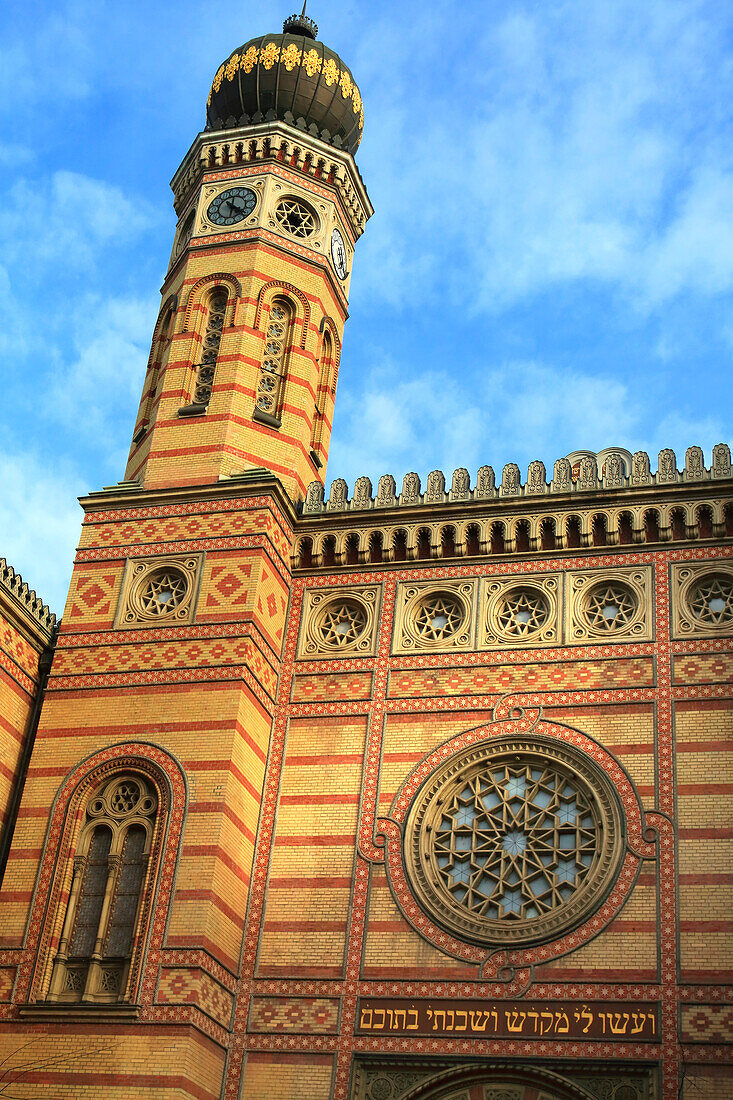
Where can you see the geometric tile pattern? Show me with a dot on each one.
(308, 1015)
(203, 653)
(19, 651)
(699, 669)
(311, 688)
(195, 987)
(91, 595)
(271, 605)
(632, 672)
(707, 1023)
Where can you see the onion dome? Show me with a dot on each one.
(290, 77)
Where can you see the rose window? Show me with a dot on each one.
(610, 607)
(125, 797)
(711, 600)
(342, 623)
(522, 612)
(514, 844)
(295, 218)
(164, 592)
(438, 617)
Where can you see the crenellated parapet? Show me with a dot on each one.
(578, 473)
(14, 584)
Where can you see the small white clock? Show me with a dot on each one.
(338, 253)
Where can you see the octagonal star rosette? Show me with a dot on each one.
(514, 843)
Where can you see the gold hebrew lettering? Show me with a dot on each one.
(363, 1022)
(382, 1013)
(562, 1023)
(517, 1023)
(464, 1025)
(550, 1020)
(413, 1027)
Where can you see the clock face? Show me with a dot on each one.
(338, 253)
(232, 206)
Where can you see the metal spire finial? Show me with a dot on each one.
(301, 24)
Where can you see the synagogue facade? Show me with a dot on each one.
(413, 792)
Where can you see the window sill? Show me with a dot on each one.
(76, 1011)
(195, 409)
(265, 418)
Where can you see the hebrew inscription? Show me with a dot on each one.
(504, 1019)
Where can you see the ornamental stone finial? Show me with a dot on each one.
(411, 489)
(313, 499)
(485, 482)
(386, 492)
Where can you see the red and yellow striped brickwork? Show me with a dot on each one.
(26, 635)
(257, 269)
(281, 912)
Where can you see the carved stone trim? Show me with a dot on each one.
(177, 576)
(609, 605)
(689, 582)
(339, 622)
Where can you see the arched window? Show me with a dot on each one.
(100, 926)
(271, 383)
(325, 387)
(216, 313)
(156, 369)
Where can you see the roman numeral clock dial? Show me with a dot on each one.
(338, 254)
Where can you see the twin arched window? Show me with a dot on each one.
(111, 867)
(271, 383)
(216, 314)
(326, 386)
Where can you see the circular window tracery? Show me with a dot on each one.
(515, 841)
(341, 623)
(164, 591)
(711, 600)
(295, 218)
(522, 612)
(438, 616)
(610, 606)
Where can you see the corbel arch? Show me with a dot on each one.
(80, 808)
(277, 288)
(168, 309)
(208, 282)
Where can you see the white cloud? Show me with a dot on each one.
(40, 522)
(517, 413)
(78, 217)
(98, 389)
(591, 151)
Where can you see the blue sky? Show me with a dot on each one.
(550, 264)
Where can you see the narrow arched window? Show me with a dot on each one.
(271, 382)
(95, 950)
(216, 313)
(325, 388)
(156, 369)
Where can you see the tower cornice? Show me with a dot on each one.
(250, 483)
(276, 142)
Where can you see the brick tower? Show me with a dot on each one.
(127, 905)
